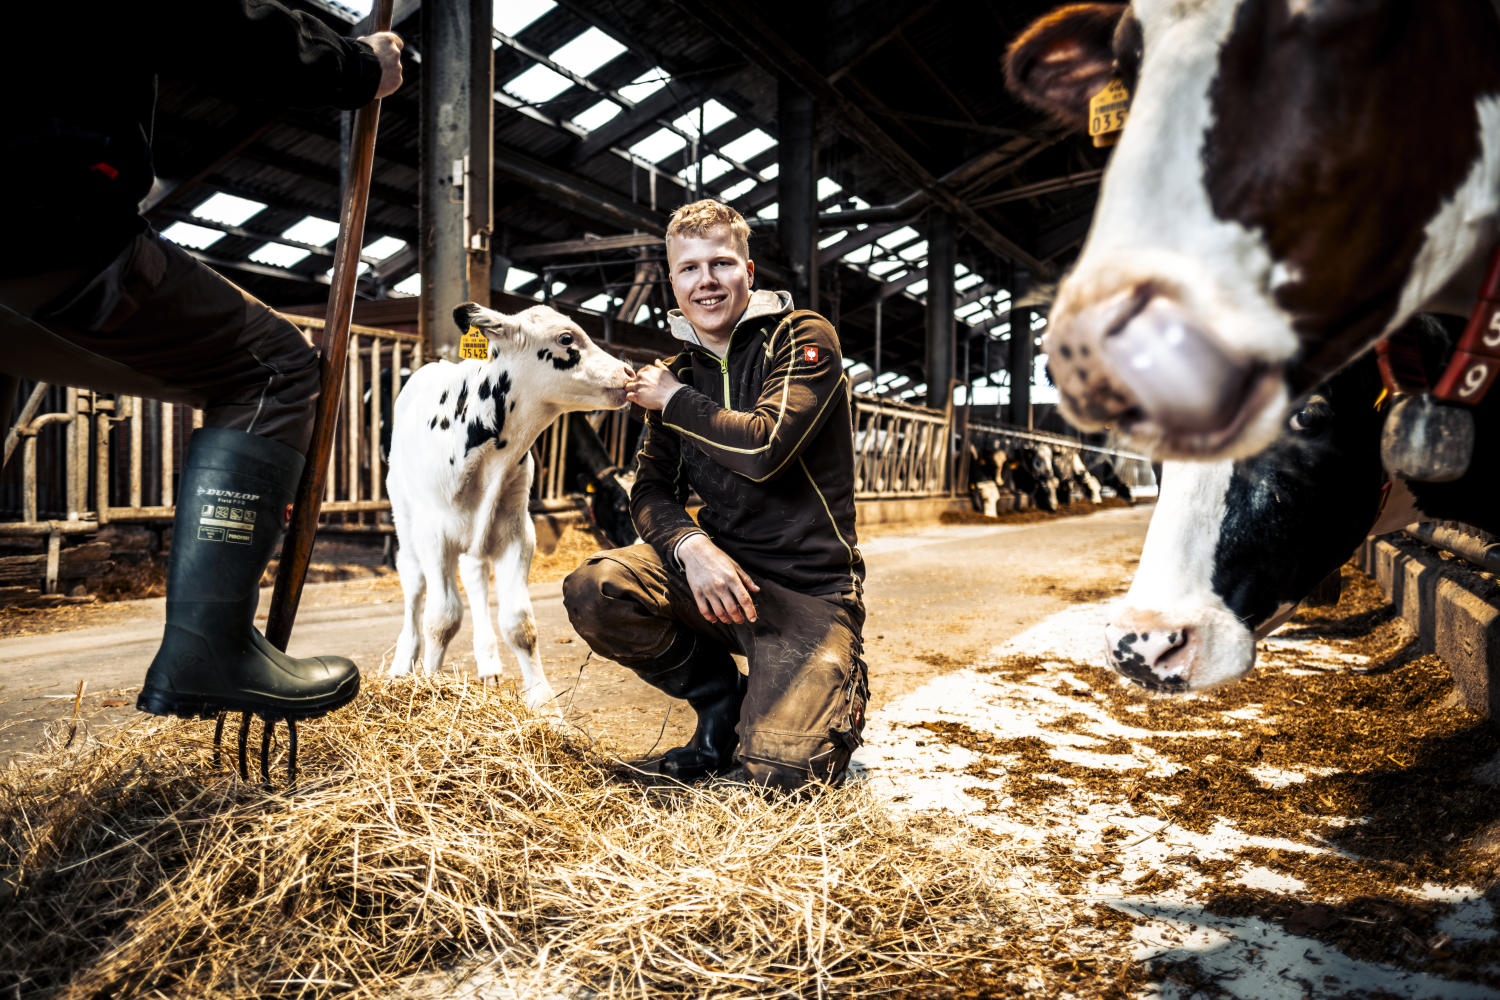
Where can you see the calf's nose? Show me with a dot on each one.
(1154, 658)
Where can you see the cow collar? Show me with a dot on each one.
(1475, 362)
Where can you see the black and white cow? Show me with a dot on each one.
(1235, 545)
(460, 480)
(1075, 483)
(1296, 179)
(1031, 469)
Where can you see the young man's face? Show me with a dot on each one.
(711, 280)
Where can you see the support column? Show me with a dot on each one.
(479, 185)
(445, 126)
(1022, 351)
(940, 261)
(797, 183)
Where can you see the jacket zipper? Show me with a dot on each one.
(724, 369)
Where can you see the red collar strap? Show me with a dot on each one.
(1475, 363)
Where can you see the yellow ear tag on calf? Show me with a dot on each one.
(474, 344)
(1108, 110)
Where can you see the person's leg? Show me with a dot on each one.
(631, 609)
(157, 313)
(805, 712)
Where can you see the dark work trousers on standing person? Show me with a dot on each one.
(805, 710)
(189, 335)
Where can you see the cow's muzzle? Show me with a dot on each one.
(1144, 364)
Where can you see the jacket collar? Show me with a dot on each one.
(763, 302)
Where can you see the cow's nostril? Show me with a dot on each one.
(1154, 658)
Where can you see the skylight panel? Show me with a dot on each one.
(771, 211)
(228, 209)
(713, 167)
(968, 310)
(968, 281)
(384, 247)
(747, 145)
(599, 303)
(856, 203)
(714, 115)
(511, 16)
(363, 267)
(899, 237)
(587, 52)
(740, 188)
(917, 251)
(860, 255)
(278, 255)
(828, 187)
(318, 232)
(772, 172)
(598, 115)
(645, 85)
(538, 85)
(642, 316)
(1038, 322)
(658, 145)
(411, 285)
(829, 241)
(917, 288)
(885, 267)
(516, 277)
(185, 234)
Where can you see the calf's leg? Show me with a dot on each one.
(476, 575)
(444, 613)
(413, 588)
(517, 623)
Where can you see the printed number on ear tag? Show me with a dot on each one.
(473, 344)
(1108, 110)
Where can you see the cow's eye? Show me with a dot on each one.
(565, 339)
(1313, 417)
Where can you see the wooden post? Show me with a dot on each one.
(296, 550)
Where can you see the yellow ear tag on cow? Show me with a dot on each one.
(474, 344)
(1108, 110)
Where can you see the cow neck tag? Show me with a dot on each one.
(1429, 434)
(473, 345)
(1108, 110)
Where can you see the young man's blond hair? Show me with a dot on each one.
(695, 221)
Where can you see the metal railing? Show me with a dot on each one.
(1133, 469)
(900, 450)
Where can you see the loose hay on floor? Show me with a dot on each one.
(436, 821)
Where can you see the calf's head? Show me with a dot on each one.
(549, 357)
(1296, 178)
(1235, 545)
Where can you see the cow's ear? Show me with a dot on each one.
(1064, 59)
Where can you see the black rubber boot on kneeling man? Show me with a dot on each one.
(233, 503)
(701, 672)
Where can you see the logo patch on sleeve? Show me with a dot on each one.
(811, 354)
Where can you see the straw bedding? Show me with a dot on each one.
(436, 820)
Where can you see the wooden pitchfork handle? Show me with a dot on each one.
(296, 550)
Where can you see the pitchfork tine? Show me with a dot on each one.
(244, 739)
(267, 723)
(291, 765)
(218, 738)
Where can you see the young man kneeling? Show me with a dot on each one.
(755, 416)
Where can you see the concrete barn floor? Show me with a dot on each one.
(937, 597)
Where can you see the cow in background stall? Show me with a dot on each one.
(1075, 483)
(1031, 470)
(986, 476)
(1108, 476)
(460, 480)
(1295, 180)
(1235, 545)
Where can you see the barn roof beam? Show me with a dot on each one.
(736, 22)
(250, 234)
(644, 116)
(586, 196)
(859, 32)
(242, 130)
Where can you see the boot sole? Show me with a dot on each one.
(190, 707)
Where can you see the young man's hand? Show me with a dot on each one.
(652, 386)
(720, 587)
(387, 46)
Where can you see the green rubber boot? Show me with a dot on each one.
(233, 503)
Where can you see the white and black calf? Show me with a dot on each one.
(460, 481)
(1296, 179)
(1235, 545)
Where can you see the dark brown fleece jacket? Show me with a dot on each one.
(764, 437)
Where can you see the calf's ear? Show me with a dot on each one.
(1065, 58)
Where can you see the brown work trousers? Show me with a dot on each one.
(805, 710)
(159, 323)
